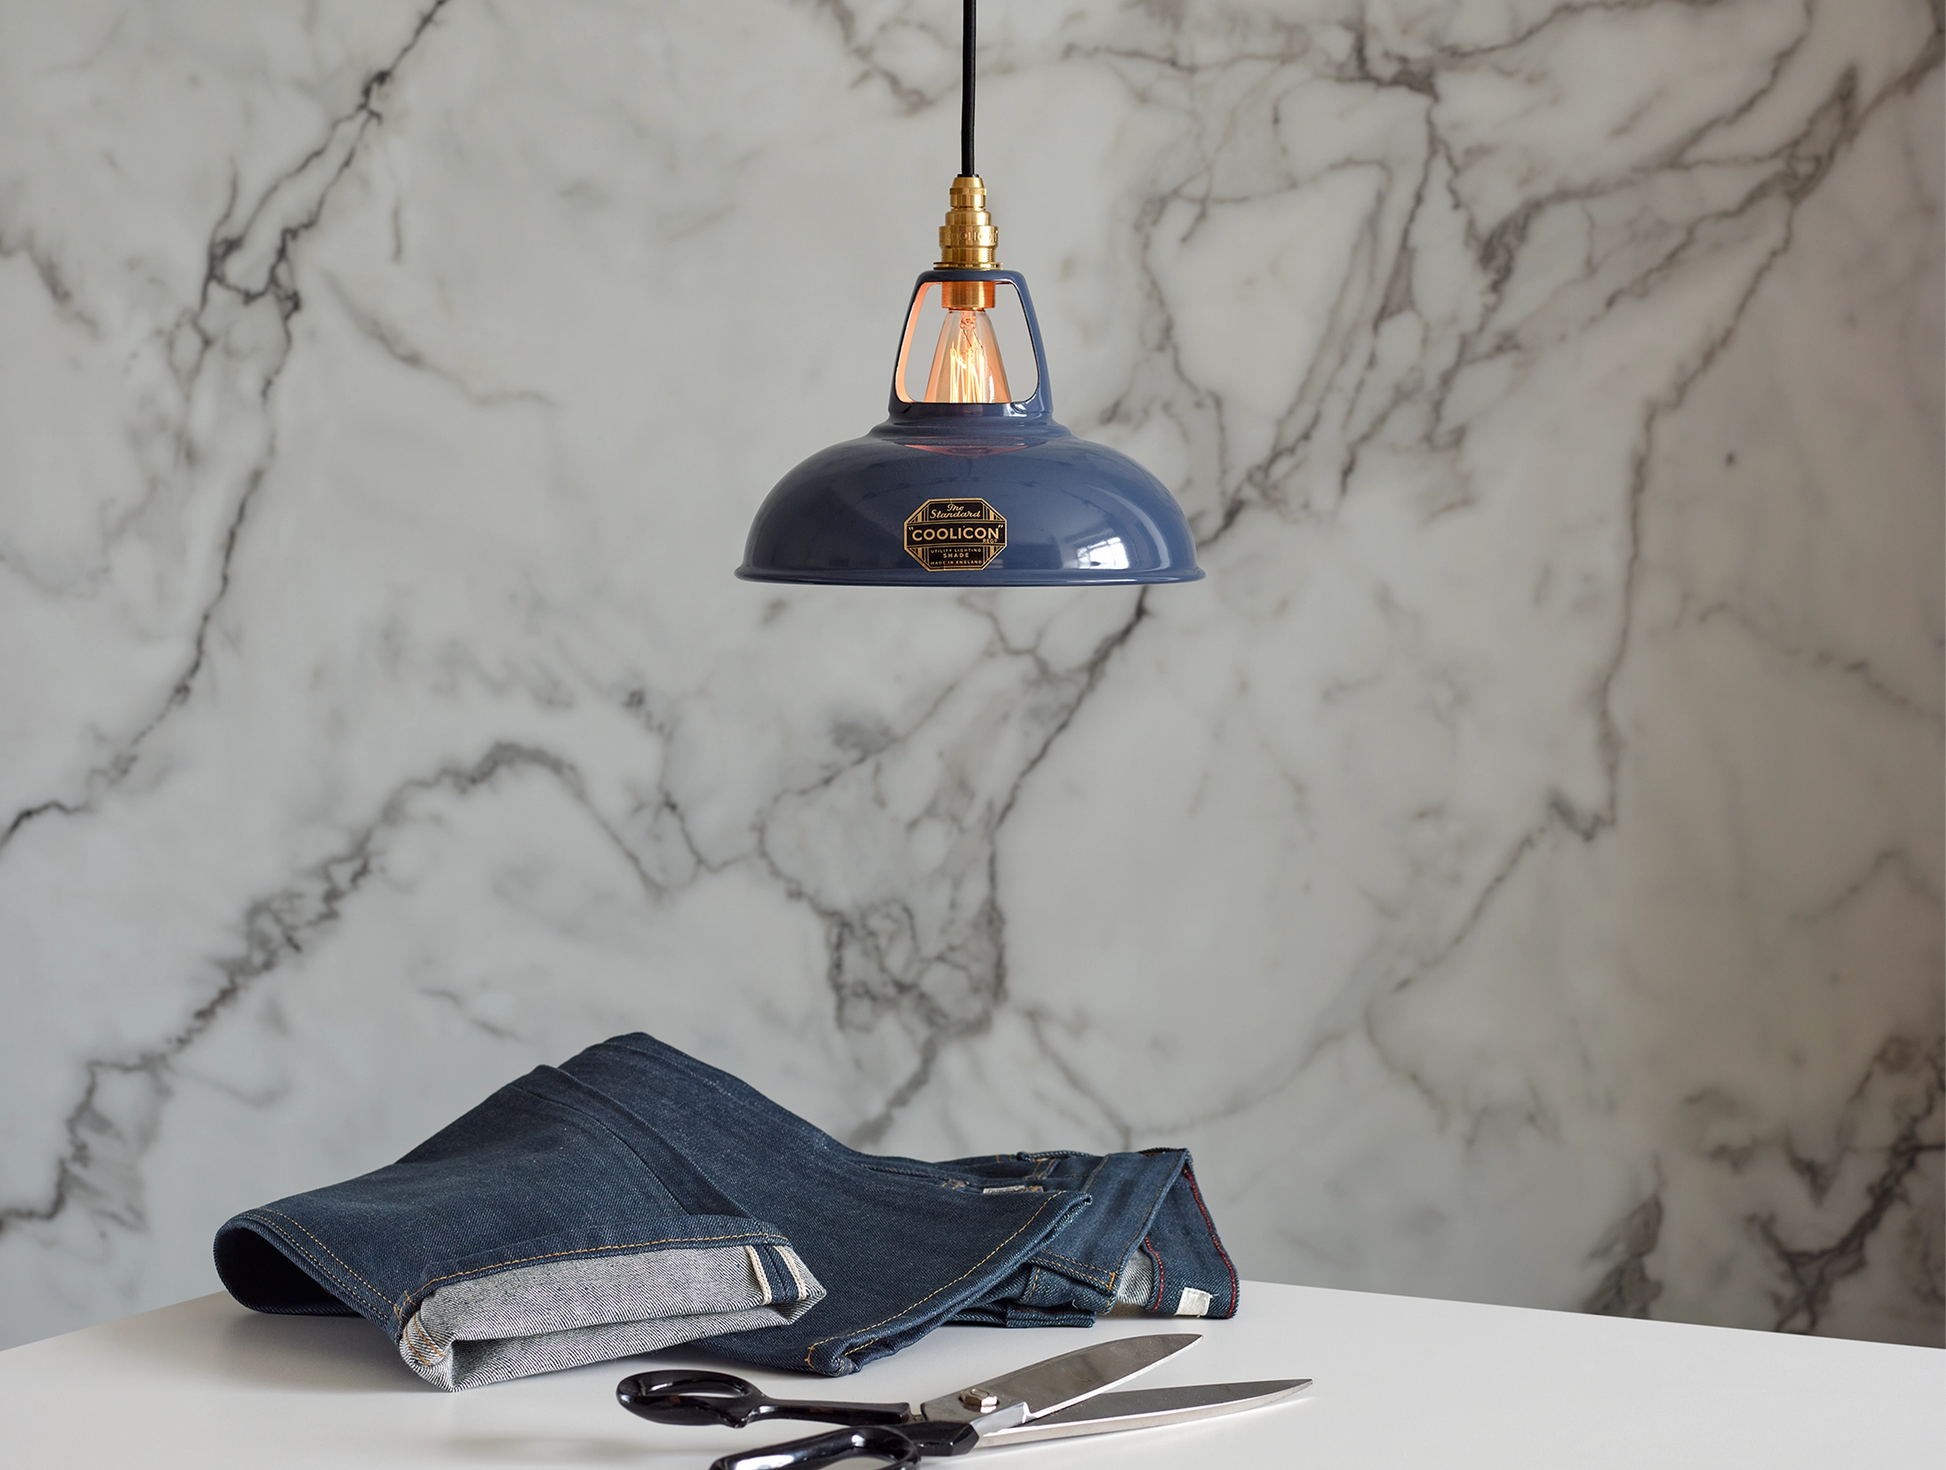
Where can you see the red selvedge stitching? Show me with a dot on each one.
(1154, 1205)
(1209, 1224)
(1155, 1302)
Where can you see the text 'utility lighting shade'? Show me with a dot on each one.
(970, 481)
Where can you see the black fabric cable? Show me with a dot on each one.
(967, 47)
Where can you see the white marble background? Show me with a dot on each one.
(1516, 871)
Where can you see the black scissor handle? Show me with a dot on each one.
(692, 1397)
(885, 1443)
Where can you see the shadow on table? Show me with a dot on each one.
(553, 1449)
(313, 1355)
(214, 1342)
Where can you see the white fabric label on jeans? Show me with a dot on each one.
(791, 1264)
(757, 1270)
(1195, 1302)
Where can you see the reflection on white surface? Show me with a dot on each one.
(1109, 555)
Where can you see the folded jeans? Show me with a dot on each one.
(636, 1198)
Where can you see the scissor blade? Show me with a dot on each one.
(1053, 1384)
(1145, 1408)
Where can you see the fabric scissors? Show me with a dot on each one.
(1052, 1399)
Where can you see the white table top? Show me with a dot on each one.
(1400, 1382)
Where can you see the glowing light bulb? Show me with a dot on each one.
(966, 366)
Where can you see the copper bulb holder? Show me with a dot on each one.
(966, 295)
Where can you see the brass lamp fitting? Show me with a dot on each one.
(968, 241)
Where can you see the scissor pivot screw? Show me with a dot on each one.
(980, 1400)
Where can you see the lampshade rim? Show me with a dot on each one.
(988, 577)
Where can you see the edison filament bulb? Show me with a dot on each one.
(966, 366)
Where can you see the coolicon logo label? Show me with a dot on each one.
(955, 535)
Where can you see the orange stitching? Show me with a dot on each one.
(1116, 1273)
(588, 1250)
(372, 1292)
(933, 1293)
(419, 1322)
(298, 1246)
(411, 1348)
(376, 1293)
(1081, 1266)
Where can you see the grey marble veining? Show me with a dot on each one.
(1516, 871)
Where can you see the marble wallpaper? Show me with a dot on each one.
(1515, 871)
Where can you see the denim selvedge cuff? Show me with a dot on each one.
(544, 1229)
(636, 1198)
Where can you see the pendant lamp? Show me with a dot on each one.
(970, 481)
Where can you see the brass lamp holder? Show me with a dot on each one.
(968, 241)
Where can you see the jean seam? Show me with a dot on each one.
(1087, 1188)
(413, 1324)
(1081, 1266)
(785, 1289)
(1155, 1302)
(420, 1292)
(613, 1132)
(736, 1097)
(939, 1176)
(371, 1293)
(1210, 1225)
(1149, 1219)
(970, 1270)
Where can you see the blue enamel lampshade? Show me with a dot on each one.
(952, 494)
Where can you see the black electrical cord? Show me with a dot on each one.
(967, 48)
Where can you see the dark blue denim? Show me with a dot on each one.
(633, 1148)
